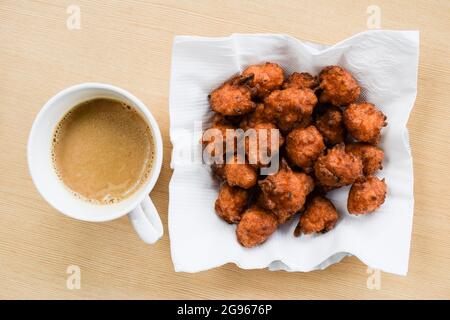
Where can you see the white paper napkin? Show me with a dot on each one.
(385, 65)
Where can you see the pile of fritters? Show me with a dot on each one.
(328, 139)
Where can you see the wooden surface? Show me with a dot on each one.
(128, 44)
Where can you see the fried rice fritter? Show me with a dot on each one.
(231, 202)
(240, 174)
(233, 98)
(290, 107)
(371, 156)
(255, 227)
(301, 81)
(220, 125)
(338, 86)
(284, 193)
(320, 216)
(366, 196)
(364, 122)
(252, 119)
(338, 168)
(260, 148)
(330, 124)
(303, 146)
(264, 78)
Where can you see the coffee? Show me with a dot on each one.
(103, 150)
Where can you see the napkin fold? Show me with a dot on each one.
(384, 63)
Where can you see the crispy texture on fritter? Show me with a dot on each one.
(301, 81)
(320, 216)
(290, 107)
(364, 122)
(330, 124)
(240, 174)
(304, 145)
(338, 168)
(260, 115)
(255, 227)
(233, 98)
(371, 156)
(231, 203)
(338, 86)
(284, 193)
(366, 196)
(262, 99)
(265, 77)
(221, 125)
(259, 148)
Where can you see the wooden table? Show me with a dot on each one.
(128, 44)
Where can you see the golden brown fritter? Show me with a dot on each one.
(364, 122)
(231, 203)
(371, 156)
(303, 146)
(320, 216)
(301, 81)
(260, 100)
(284, 193)
(222, 125)
(264, 78)
(338, 86)
(330, 124)
(259, 149)
(258, 116)
(233, 98)
(366, 196)
(290, 107)
(255, 227)
(338, 168)
(240, 174)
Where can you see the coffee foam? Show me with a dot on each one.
(147, 165)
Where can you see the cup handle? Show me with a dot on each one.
(145, 220)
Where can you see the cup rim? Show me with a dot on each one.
(147, 186)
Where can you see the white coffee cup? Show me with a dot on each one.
(139, 207)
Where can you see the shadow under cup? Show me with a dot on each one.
(41, 166)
